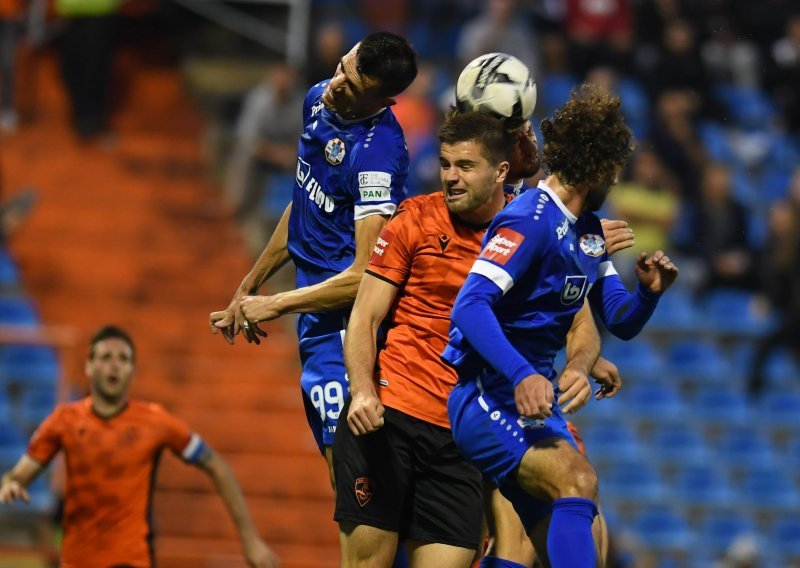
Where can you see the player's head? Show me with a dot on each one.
(378, 67)
(524, 153)
(473, 158)
(110, 364)
(587, 142)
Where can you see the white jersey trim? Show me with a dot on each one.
(192, 449)
(605, 268)
(567, 213)
(494, 273)
(362, 211)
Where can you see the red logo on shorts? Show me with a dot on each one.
(364, 490)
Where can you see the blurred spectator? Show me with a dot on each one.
(729, 57)
(87, 55)
(266, 141)
(784, 75)
(389, 15)
(743, 553)
(780, 276)
(720, 232)
(329, 47)
(10, 23)
(648, 201)
(675, 139)
(501, 27)
(600, 33)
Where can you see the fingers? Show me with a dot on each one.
(578, 400)
(366, 418)
(611, 225)
(620, 241)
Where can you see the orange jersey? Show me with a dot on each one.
(427, 253)
(111, 465)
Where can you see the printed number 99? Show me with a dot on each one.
(330, 397)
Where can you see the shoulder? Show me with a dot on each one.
(383, 138)
(147, 409)
(312, 103)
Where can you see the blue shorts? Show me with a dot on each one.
(494, 437)
(324, 383)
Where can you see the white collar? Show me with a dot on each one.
(567, 213)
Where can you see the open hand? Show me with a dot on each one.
(657, 272)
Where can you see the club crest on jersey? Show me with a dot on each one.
(530, 423)
(593, 245)
(573, 289)
(334, 151)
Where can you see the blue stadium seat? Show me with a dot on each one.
(774, 185)
(791, 453)
(674, 444)
(34, 365)
(13, 444)
(768, 489)
(676, 311)
(632, 481)
(781, 369)
(732, 311)
(635, 106)
(780, 409)
(784, 535)
(637, 360)
(662, 529)
(702, 485)
(715, 140)
(697, 360)
(740, 446)
(718, 530)
(654, 402)
(16, 310)
(718, 406)
(35, 405)
(750, 108)
(9, 272)
(608, 441)
(554, 90)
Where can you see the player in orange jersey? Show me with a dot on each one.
(406, 480)
(111, 446)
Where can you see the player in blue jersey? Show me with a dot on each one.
(542, 256)
(351, 171)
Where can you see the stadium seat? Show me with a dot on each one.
(9, 272)
(662, 529)
(654, 402)
(774, 185)
(555, 90)
(729, 311)
(784, 535)
(632, 481)
(780, 409)
(697, 361)
(635, 106)
(768, 489)
(33, 365)
(791, 454)
(782, 370)
(637, 360)
(719, 406)
(740, 446)
(715, 140)
(35, 404)
(699, 485)
(16, 310)
(610, 441)
(674, 444)
(718, 530)
(676, 312)
(13, 444)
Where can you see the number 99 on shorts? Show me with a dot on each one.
(328, 399)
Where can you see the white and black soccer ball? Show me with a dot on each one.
(497, 84)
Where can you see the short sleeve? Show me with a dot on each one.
(179, 438)
(510, 248)
(391, 258)
(47, 439)
(378, 175)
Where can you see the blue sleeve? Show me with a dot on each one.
(623, 313)
(379, 171)
(474, 317)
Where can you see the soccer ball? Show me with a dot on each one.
(497, 84)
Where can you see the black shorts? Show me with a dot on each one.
(409, 478)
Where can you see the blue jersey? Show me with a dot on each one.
(516, 189)
(538, 264)
(346, 170)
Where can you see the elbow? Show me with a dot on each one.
(623, 332)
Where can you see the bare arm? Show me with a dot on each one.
(336, 292)
(375, 298)
(256, 552)
(583, 348)
(15, 482)
(272, 258)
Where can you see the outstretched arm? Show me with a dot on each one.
(336, 292)
(272, 258)
(257, 553)
(15, 482)
(583, 348)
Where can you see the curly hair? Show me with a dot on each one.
(587, 140)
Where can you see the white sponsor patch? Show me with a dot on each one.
(374, 179)
(374, 193)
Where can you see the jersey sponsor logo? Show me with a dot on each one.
(316, 108)
(380, 246)
(573, 289)
(303, 171)
(562, 229)
(374, 186)
(593, 245)
(364, 490)
(315, 192)
(334, 151)
(530, 423)
(502, 245)
(374, 193)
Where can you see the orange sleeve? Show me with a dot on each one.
(46, 441)
(392, 255)
(178, 437)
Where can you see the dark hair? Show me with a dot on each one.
(110, 332)
(389, 59)
(587, 139)
(483, 129)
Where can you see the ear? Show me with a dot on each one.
(502, 171)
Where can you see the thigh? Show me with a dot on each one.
(363, 546)
(373, 477)
(427, 554)
(447, 499)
